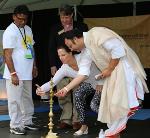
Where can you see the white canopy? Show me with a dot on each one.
(7, 6)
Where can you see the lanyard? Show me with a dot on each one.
(23, 36)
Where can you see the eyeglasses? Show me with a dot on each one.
(21, 19)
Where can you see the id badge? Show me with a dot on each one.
(28, 54)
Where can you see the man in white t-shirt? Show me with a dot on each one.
(19, 69)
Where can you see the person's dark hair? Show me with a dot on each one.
(67, 49)
(21, 9)
(64, 47)
(65, 9)
(73, 33)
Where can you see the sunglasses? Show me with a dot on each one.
(21, 19)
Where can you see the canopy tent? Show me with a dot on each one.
(44, 19)
(7, 6)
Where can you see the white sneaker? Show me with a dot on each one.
(18, 131)
(31, 127)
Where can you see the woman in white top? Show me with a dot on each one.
(88, 87)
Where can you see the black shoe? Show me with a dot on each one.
(18, 131)
(31, 127)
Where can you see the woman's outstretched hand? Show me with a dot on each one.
(61, 93)
(39, 91)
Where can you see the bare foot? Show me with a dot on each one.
(83, 128)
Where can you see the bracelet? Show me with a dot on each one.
(66, 89)
(12, 73)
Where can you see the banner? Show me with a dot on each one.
(1, 55)
(134, 29)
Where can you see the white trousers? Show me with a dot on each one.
(20, 104)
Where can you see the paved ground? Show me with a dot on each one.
(135, 128)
